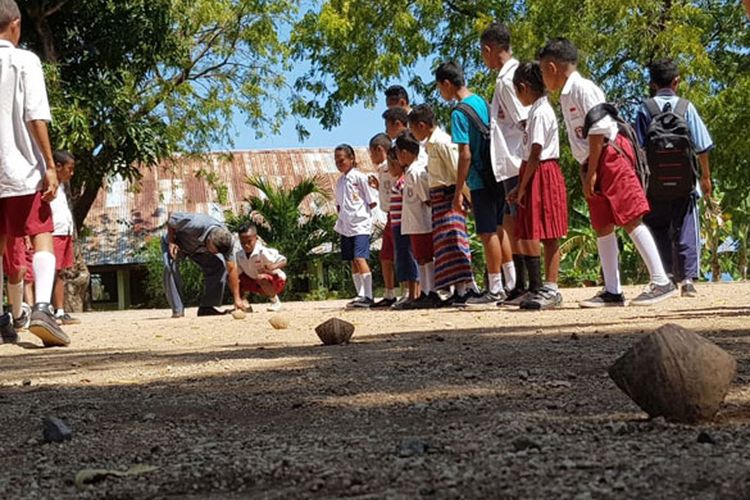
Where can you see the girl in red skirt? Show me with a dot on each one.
(541, 197)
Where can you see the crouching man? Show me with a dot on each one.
(260, 266)
(209, 244)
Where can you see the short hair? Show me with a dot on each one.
(422, 113)
(396, 115)
(9, 12)
(407, 142)
(497, 34)
(530, 74)
(393, 154)
(381, 140)
(61, 156)
(397, 92)
(346, 149)
(222, 239)
(561, 50)
(247, 226)
(663, 72)
(452, 72)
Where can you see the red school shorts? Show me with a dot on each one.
(387, 251)
(619, 198)
(25, 215)
(248, 284)
(544, 212)
(17, 257)
(421, 245)
(63, 252)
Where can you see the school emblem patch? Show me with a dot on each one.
(579, 132)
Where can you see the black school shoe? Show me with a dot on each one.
(544, 298)
(8, 334)
(210, 311)
(603, 299)
(44, 326)
(383, 303)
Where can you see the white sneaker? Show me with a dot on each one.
(274, 306)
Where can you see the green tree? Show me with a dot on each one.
(285, 225)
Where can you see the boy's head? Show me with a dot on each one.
(396, 97)
(422, 121)
(10, 21)
(558, 59)
(495, 41)
(344, 157)
(449, 78)
(379, 146)
(219, 240)
(529, 83)
(65, 164)
(664, 74)
(394, 166)
(396, 121)
(248, 233)
(407, 147)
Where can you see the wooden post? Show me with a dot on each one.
(123, 289)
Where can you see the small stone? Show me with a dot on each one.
(239, 314)
(412, 446)
(56, 431)
(706, 438)
(525, 443)
(26, 382)
(574, 336)
(279, 322)
(523, 375)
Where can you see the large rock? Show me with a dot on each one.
(676, 374)
(335, 331)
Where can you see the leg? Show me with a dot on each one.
(172, 280)
(688, 240)
(58, 294)
(551, 261)
(215, 275)
(659, 221)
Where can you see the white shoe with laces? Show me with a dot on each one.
(274, 306)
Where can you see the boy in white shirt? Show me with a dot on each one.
(354, 203)
(260, 266)
(62, 235)
(507, 122)
(613, 192)
(28, 180)
(417, 216)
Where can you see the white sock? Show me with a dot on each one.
(474, 285)
(509, 271)
(609, 256)
(551, 286)
(15, 297)
(2, 288)
(644, 242)
(496, 282)
(367, 282)
(275, 300)
(60, 313)
(44, 276)
(358, 284)
(390, 293)
(429, 271)
(461, 289)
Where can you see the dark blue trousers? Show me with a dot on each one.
(676, 229)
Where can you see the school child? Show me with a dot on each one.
(417, 217)
(612, 189)
(29, 182)
(383, 182)
(62, 235)
(487, 205)
(674, 212)
(17, 265)
(449, 236)
(396, 121)
(406, 265)
(540, 195)
(260, 267)
(507, 122)
(396, 96)
(354, 204)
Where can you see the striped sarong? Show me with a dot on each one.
(450, 240)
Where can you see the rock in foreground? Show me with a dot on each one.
(335, 331)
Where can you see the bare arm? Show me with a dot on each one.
(706, 185)
(596, 146)
(747, 7)
(464, 162)
(518, 194)
(234, 285)
(38, 130)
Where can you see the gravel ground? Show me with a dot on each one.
(444, 404)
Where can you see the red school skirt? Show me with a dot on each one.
(544, 212)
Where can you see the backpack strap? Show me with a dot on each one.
(682, 107)
(473, 117)
(597, 113)
(652, 106)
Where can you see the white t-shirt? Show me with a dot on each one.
(61, 215)
(23, 98)
(385, 183)
(416, 217)
(259, 260)
(542, 129)
(506, 124)
(578, 96)
(353, 199)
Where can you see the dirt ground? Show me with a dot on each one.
(491, 403)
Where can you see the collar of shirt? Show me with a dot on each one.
(538, 104)
(7, 44)
(509, 67)
(666, 93)
(574, 78)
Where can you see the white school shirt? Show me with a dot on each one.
(542, 129)
(578, 96)
(416, 216)
(258, 261)
(23, 98)
(61, 214)
(353, 199)
(385, 184)
(506, 124)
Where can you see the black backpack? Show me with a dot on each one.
(487, 172)
(638, 160)
(670, 152)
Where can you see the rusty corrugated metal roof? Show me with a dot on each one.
(125, 214)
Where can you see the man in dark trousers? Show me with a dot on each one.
(209, 244)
